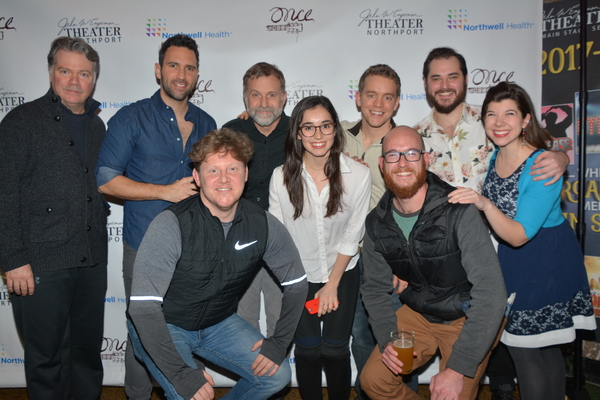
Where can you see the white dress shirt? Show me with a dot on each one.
(320, 239)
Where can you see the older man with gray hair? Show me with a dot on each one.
(53, 241)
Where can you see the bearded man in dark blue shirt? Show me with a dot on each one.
(144, 160)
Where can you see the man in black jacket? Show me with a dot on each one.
(53, 241)
(455, 296)
(266, 126)
(193, 264)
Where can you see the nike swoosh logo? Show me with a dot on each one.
(239, 246)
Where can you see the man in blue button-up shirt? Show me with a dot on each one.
(144, 160)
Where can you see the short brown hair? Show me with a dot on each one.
(179, 40)
(263, 69)
(444, 53)
(222, 140)
(380, 70)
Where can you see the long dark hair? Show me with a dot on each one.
(292, 168)
(535, 134)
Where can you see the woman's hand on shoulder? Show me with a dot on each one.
(468, 196)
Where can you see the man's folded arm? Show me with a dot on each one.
(153, 269)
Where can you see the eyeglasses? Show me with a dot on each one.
(411, 155)
(310, 130)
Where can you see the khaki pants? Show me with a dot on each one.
(380, 383)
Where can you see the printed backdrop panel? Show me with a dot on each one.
(322, 48)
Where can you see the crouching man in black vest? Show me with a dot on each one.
(455, 297)
(195, 260)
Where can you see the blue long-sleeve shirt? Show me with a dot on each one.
(143, 142)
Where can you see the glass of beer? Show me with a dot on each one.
(403, 341)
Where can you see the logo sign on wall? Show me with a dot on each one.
(10, 100)
(6, 25)
(565, 21)
(482, 79)
(457, 20)
(93, 30)
(202, 87)
(4, 296)
(297, 91)
(391, 22)
(113, 350)
(157, 28)
(6, 359)
(289, 20)
(114, 230)
(352, 88)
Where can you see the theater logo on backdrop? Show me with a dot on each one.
(565, 20)
(458, 19)
(384, 22)
(114, 229)
(157, 28)
(4, 296)
(298, 90)
(93, 30)
(10, 99)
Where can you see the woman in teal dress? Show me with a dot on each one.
(540, 257)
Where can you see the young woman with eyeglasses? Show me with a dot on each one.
(322, 197)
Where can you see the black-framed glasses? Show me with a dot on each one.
(310, 130)
(411, 155)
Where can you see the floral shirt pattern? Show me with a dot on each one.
(462, 160)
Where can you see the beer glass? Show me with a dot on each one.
(403, 341)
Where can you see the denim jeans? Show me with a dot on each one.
(226, 344)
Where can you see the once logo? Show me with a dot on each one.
(5, 24)
(481, 75)
(110, 344)
(283, 14)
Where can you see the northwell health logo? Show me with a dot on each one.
(457, 20)
(9, 360)
(157, 27)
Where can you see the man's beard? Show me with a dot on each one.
(265, 120)
(184, 96)
(405, 192)
(447, 109)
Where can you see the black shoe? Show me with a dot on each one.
(503, 392)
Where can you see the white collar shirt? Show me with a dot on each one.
(320, 239)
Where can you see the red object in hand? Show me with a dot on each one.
(312, 306)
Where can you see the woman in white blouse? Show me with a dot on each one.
(322, 197)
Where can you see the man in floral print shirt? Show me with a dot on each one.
(454, 136)
(460, 153)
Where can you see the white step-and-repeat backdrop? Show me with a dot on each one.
(322, 47)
